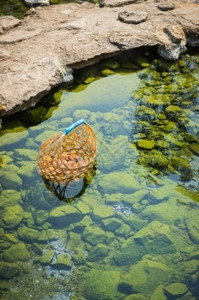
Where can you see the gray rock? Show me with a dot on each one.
(131, 17)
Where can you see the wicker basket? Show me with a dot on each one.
(68, 156)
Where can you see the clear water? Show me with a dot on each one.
(132, 233)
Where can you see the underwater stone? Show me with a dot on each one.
(158, 99)
(26, 153)
(83, 208)
(159, 194)
(16, 252)
(118, 182)
(79, 256)
(47, 257)
(158, 294)
(62, 261)
(123, 230)
(10, 197)
(10, 180)
(103, 211)
(74, 241)
(46, 235)
(64, 215)
(107, 72)
(98, 252)
(144, 276)
(100, 284)
(111, 224)
(192, 224)
(176, 289)
(194, 148)
(26, 169)
(94, 235)
(135, 222)
(37, 249)
(28, 234)
(34, 115)
(11, 216)
(146, 144)
(10, 139)
(9, 270)
(155, 238)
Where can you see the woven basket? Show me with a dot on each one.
(68, 156)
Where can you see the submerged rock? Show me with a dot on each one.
(9, 270)
(176, 289)
(11, 216)
(18, 252)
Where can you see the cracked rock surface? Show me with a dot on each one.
(40, 51)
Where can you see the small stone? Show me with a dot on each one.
(176, 289)
(28, 234)
(111, 224)
(94, 235)
(47, 257)
(194, 148)
(130, 17)
(103, 211)
(62, 261)
(79, 256)
(64, 215)
(164, 6)
(11, 216)
(98, 252)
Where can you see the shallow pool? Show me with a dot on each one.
(131, 230)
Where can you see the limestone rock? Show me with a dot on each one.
(164, 6)
(64, 33)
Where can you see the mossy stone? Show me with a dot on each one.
(158, 293)
(37, 249)
(62, 261)
(11, 216)
(26, 169)
(194, 148)
(160, 194)
(156, 238)
(10, 197)
(13, 138)
(16, 252)
(157, 99)
(146, 144)
(144, 276)
(26, 154)
(10, 179)
(192, 224)
(103, 211)
(64, 215)
(9, 270)
(135, 222)
(47, 257)
(176, 289)
(11, 238)
(28, 234)
(74, 241)
(46, 235)
(100, 284)
(94, 235)
(111, 224)
(107, 72)
(98, 252)
(41, 216)
(123, 230)
(83, 208)
(118, 182)
(79, 256)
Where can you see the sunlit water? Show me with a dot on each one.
(132, 231)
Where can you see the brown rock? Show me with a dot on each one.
(131, 17)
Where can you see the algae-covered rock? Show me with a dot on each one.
(34, 115)
(103, 211)
(155, 238)
(11, 216)
(28, 234)
(26, 169)
(18, 252)
(64, 215)
(79, 256)
(158, 294)
(157, 99)
(160, 194)
(146, 144)
(26, 154)
(123, 230)
(118, 182)
(47, 257)
(10, 197)
(10, 179)
(192, 224)
(194, 148)
(94, 235)
(100, 284)
(9, 270)
(111, 224)
(13, 138)
(74, 241)
(62, 261)
(144, 277)
(83, 208)
(176, 289)
(47, 235)
(98, 252)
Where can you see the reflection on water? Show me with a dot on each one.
(129, 230)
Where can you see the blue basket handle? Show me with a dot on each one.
(74, 125)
